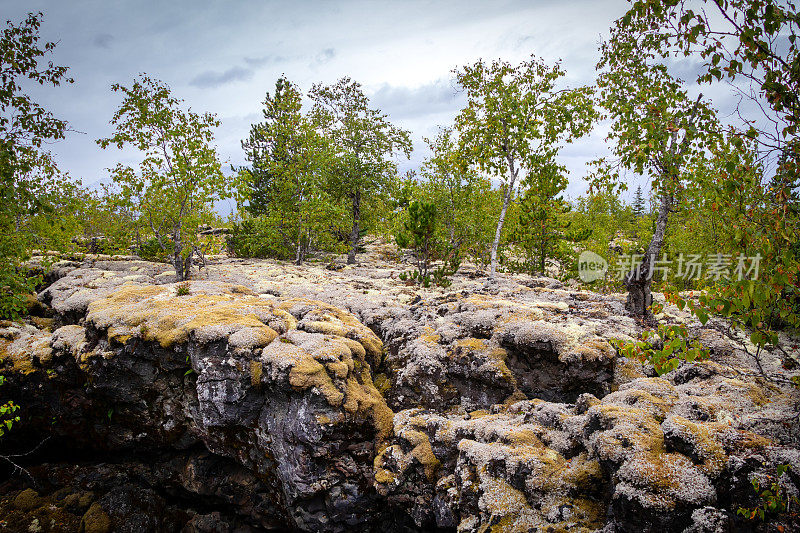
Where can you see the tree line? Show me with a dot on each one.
(321, 172)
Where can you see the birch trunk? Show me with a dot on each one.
(506, 200)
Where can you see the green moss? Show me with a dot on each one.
(256, 369)
(95, 520)
(28, 500)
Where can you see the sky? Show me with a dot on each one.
(223, 56)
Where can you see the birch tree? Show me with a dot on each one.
(30, 183)
(179, 175)
(657, 129)
(515, 122)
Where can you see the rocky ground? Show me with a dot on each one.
(266, 396)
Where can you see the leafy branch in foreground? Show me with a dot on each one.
(7, 416)
(773, 500)
(664, 348)
(28, 176)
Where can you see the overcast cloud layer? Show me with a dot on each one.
(223, 56)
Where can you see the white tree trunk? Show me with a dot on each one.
(506, 200)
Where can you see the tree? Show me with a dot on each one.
(364, 142)
(29, 179)
(542, 229)
(638, 203)
(737, 39)
(455, 189)
(754, 42)
(658, 129)
(290, 167)
(419, 233)
(516, 120)
(179, 175)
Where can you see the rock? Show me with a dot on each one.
(276, 396)
(282, 387)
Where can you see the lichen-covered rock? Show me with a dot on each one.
(283, 387)
(258, 399)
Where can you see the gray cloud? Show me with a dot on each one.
(103, 40)
(210, 79)
(256, 62)
(406, 102)
(326, 55)
(398, 50)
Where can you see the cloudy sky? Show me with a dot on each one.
(223, 56)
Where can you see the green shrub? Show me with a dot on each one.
(664, 348)
(257, 237)
(16, 284)
(151, 250)
(773, 500)
(7, 416)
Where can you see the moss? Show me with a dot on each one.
(324, 327)
(630, 430)
(631, 369)
(703, 442)
(256, 370)
(25, 347)
(95, 520)
(309, 373)
(365, 398)
(584, 472)
(43, 323)
(338, 369)
(28, 500)
(758, 395)
(430, 336)
(384, 476)
(382, 383)
(514, 397)
(289, 321)
(422, 451)
(471, 343)
(522, 436)
(356, 348)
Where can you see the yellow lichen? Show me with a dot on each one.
(256, 370)
(422, 451)
(308, 373)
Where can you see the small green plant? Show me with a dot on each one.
(182, 289)
(773, 500)
(7, 416)
(189, 363)
(418, 234)
(664, 347)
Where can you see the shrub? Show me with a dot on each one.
(7, 416)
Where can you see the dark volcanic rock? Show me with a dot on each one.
(235, 409)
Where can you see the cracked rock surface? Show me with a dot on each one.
(267, 396)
